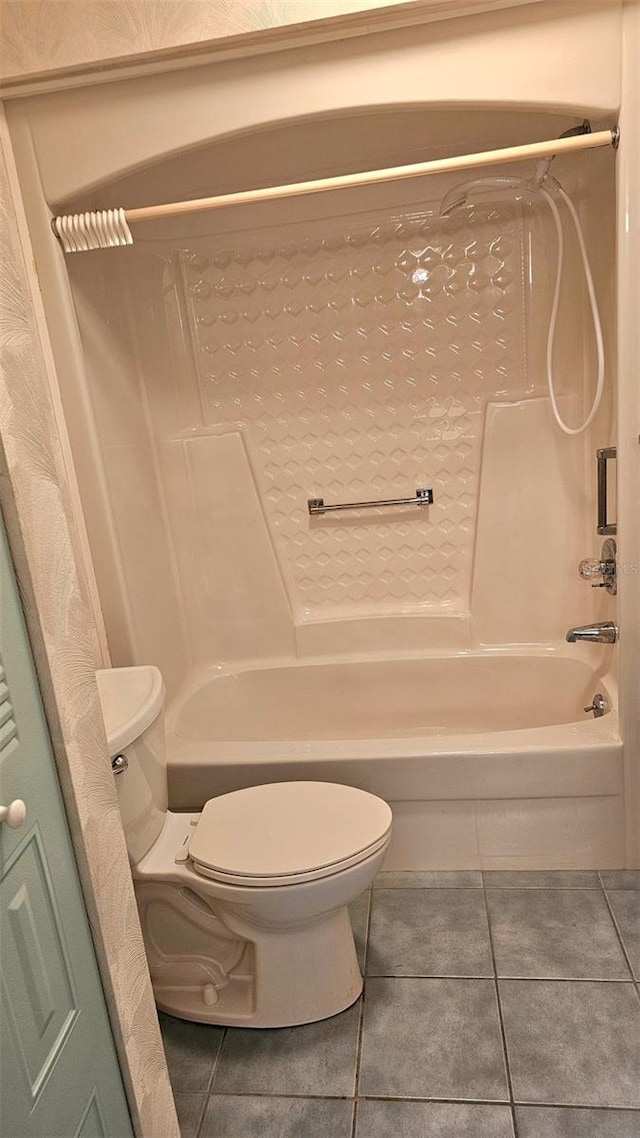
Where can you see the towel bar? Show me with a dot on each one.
(317, 505)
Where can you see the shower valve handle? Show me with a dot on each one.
(603, 566)
(590, 567)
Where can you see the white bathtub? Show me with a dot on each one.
(487, 759)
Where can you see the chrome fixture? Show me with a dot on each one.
(599, 706)
(605, 568)
(604, 632)
(119, 764)
(422, 498)
(605, 527)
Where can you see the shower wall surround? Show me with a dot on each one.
(352, 357)
(350, 346)
(357, 363)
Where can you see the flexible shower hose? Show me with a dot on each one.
(597, 326)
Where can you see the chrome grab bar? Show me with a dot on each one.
(605, 527)
(317, 505)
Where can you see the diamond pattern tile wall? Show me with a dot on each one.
(358, 360)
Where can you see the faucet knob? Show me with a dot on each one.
(599, 707)
(604, 566)
(590, 567)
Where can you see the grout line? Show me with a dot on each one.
(367, 932)
(202, 1114)
(436, 888)
(619, 935)
(547, 886)
(214, 1067)
(580, 1106)
(354, 1120)
(428, 976)
(567, 979)
(216, 1061)
(523, 979)
(294, 1095)
(616, 888)
(372, 1098)
(501, 1102)
(434, 1098)
(427, 1099)
(542, 888)
(503, 1033)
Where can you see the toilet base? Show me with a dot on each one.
(248, 956)
(281, 979)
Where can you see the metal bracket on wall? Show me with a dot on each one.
(605, 527)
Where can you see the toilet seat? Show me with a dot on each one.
(286, 833)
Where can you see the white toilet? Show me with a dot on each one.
(243, 907)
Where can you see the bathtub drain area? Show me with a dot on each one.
(496, 1005)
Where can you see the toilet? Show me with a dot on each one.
(243, 907)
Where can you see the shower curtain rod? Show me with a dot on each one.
(104, 229)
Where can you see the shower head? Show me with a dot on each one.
(458, 196)
(455, 199)
(541, 182)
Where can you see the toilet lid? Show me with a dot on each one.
(289, 831)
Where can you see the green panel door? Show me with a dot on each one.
(59, 1070)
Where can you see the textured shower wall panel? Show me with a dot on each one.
(116, 464)
(240, 602)
(533, 520)
(357, 359)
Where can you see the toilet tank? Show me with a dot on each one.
(132, 702)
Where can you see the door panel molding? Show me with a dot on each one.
(41, 986)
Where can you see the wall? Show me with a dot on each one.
(41, 37)
(628, 436)
(446, 65)
(37, 498)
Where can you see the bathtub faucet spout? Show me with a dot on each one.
(606, 632)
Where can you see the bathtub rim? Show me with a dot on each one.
(587, 734)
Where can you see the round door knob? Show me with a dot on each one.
(14, 814)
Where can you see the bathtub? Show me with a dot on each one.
(487, 759)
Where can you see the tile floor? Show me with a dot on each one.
(496, 1005)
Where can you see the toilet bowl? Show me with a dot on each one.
(243, 907)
